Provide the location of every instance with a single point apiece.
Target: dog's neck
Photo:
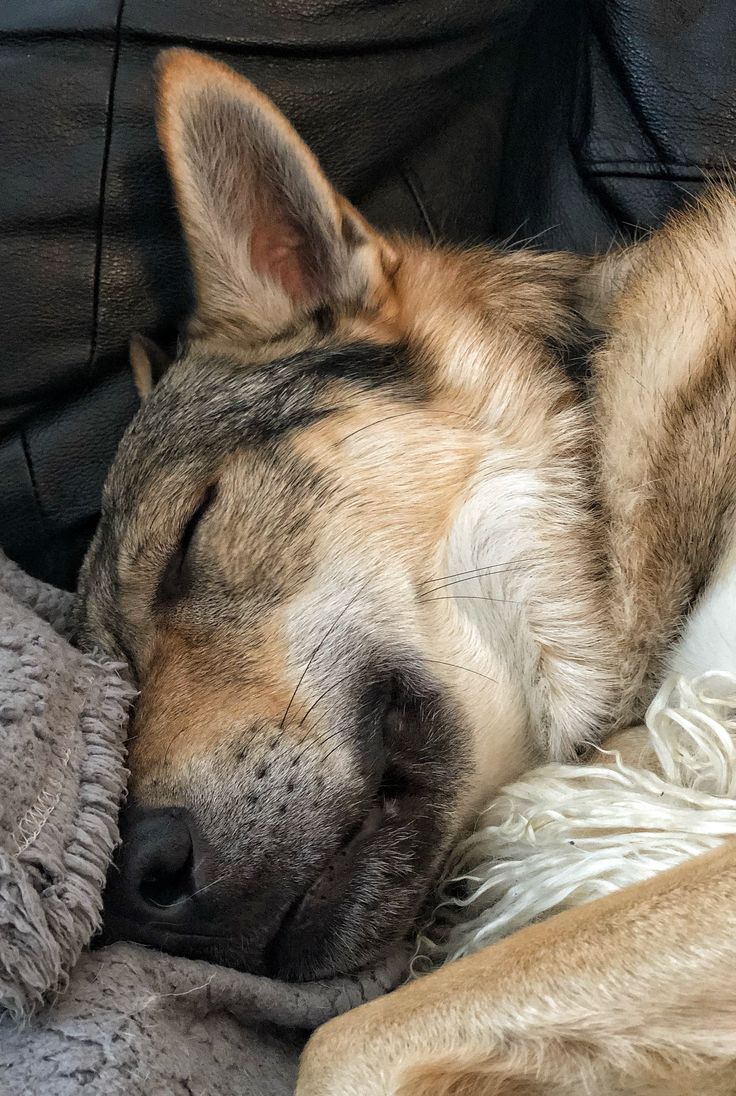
(527, 600)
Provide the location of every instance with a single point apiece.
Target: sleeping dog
(370, 553)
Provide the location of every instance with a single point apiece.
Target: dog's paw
(349, 1056)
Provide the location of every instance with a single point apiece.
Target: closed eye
(176, 578)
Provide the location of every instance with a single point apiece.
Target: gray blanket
(121, 1019)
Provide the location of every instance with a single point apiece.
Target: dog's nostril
(167, 885)
(157, 862)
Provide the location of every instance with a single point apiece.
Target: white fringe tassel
(567, 834)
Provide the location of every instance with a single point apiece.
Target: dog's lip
(398, 799)
(391, 808)
(129, 929)
(394, 789)
(356, 838)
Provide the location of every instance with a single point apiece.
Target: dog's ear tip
(139, 344)
(168, 61)
(183, 58)
(180, 68)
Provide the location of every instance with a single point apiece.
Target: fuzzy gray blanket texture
(121, 1019)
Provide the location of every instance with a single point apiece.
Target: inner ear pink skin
(277, 252)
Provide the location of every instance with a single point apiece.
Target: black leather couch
(570, 121)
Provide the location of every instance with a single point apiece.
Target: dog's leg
(635, 993)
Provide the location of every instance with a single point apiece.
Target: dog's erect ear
(269, 239)
(148, 363)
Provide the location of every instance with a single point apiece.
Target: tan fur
(141, 368)
(591, 1001)
(665, 404)
(536, 553)
(189, 705)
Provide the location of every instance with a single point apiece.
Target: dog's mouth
(303, 924)
(362, 893)
(366, 894)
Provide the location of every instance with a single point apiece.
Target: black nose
(155, 871)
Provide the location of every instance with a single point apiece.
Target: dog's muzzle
(303, 879)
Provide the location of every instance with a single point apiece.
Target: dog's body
(370, 554)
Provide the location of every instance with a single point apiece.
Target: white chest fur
(709, 639)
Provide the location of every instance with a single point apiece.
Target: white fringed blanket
(567, 834)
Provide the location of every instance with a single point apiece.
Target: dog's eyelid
(175, 578)
(191, 526)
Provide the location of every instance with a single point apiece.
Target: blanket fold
(62, 726)
(120, 1019)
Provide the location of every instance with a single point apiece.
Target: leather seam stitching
(412, 184)
(648, 165)
(612, 172)
(103, 185)
(34, 484)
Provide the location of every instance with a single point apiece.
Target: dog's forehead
(209, 412)
(210, 406)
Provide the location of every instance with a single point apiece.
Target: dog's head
(346, 549)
